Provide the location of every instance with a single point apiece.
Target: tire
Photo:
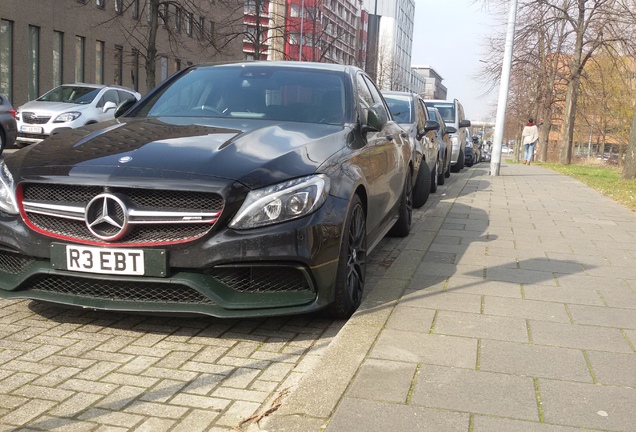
(422, 187)
(460, 163)
(434, 177)
(402, 226)
(447, 172)
(441, 177)
(352, 263)
(2, 141)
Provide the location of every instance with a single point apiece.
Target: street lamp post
(495, 162)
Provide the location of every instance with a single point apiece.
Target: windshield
(71, 94)
(251, 92)
(446, 110)
(400, 107)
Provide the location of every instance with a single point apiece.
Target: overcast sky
(447, 37)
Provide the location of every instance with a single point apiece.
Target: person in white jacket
(530, 136)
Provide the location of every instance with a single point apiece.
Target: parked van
(453, 114)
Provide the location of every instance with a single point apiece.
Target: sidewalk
(511, 307)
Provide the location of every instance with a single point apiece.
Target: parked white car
(68, 106)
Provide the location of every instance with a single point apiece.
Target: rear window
(446, 110)
(400, 107)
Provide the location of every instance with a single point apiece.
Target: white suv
(69, 106)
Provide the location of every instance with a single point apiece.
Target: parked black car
(246, 189)
(8, 128)
(409, 111)
(444, 143)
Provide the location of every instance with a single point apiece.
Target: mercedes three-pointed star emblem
(107, 217)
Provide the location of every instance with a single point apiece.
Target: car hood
(43, 107)
(253, 152)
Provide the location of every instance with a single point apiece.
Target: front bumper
(278, 270)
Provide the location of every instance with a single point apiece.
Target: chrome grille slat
(154, 216)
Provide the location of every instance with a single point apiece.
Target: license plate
(31, 129)
(109, 260)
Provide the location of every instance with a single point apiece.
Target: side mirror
(124, 106)
(451, 129)
(376, 118)
(109, 106)
(464, 123)
(431, 125)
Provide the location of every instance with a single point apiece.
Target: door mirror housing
(109, 106)
(376, 118)
(451, 129)
(124, 106)
(464, 123)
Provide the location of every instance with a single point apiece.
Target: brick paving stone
(197, 420)
(492, 424)
(203, 402)
(27, 412)
(62, 425)
(523, 308)
(533, 360)
(74, 405)
(111, 418)
(155, 425)
(481, 326)
(237, 412)
(120, 398)
(383, 381)
(613, 369)
(204, 384)
(240, 394)
(46, 393)
(579, 336)
(156, 409)
(604, 316)
(588, 405)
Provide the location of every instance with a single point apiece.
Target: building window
(211, 30)
(177, 20)
(118, 65)
(177, 65)
(100, 3)
(202, 26)
(189, 19)
(80, 45)
(6, 58)
(58, 58)
(135, 9)
(294, 11)
(119, 7)
(164, 68)
(34, 62)
(135, 69)
(99, 62)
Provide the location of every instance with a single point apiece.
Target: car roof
(284, 64)
(97, 86)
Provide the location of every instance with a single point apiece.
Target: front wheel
(422, 187)
(441, 176)
(460, 163)
(434, 178)
(403, 225)
(352, 263)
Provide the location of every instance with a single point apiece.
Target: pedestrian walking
(530, 136)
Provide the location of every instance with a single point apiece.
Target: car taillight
(13, 113)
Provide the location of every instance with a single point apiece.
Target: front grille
(27, 118)
(147, 199)
(142, 234)
(148, 292)
(14, 263)
(31, 135)
(262, 279)
(157, 231)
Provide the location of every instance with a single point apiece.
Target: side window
(364, 95)
(124, 95)
(375, 93)
(111, 96)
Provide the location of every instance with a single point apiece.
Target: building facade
(45, 44)
(393, 57)
(433, 87)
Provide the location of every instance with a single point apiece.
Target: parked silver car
(69, 106)
(8, 128)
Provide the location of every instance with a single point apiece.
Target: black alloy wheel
(352, 264)
(434, 177)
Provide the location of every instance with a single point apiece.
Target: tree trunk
(568, 121)
(629, 169)
(151, 50)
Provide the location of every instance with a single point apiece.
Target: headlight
(8, 202)
(282, 202)
(67, 117)
(454, 141)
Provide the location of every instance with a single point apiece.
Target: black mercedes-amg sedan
(231, 190)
